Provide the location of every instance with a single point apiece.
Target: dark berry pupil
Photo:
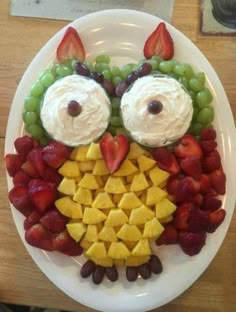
(74, 108)
(155, 107)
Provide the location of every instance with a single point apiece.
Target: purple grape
(108, 86)
(132, 77)
(121, 88)
(145, 69)
(74, 108)
(82, 69)
(155, 107)
(97, 76)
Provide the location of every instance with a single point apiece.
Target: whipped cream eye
(156, 110)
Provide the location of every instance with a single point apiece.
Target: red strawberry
(71, 46)
(215, 219)
(191, 166)
(19, 198)
(166, 160)
(13, 163)
(192, 243)
(53, 160)
(21, 177)
(197, 199)
(198, 220)
(186, 189)
(182, 215)
(188, 147)
(32, 219)
(168, 236)
(42, 194)
(218, 181)
(23, 146)
(114, 150)
(55, 154)
(66, 245)
(211, 162)
(211, 203)
(30, 169)
(205, 184)
(208, 134)
(208, 146)
(159, 43)
(172, 184)
(35, 156)
(51, 175)
(54, 221)
(39, 237)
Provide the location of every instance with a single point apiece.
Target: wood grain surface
(21, 281)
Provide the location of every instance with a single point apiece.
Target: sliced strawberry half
(215, 219)
(192, 243)
(114, 150)
(54, 221)
(192, 167)
(71, 46)
(159, 43)
(32, 219)
(13, 163)
(208, 134)
(19, 198)
(38, 236)
(23, 146)
(168, 237)
(65, 244)
(182, 215)
(188, 147)
(166, 160)
(218, 181)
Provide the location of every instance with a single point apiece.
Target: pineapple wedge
(139, 183)
(152, 228)
(83, 196)
(145, 163)
(154, 195)
(97, 250)
(67, 186)
(164, 208)
(129, 201)
(140, 215)
(127, 168)
(93, 216)
(158, 176)
(142, 248)
(94, 151)
(105, 262)
(100, 168)
(129, 233)
(76, 230)
(81, 153)
(86, 166)
(89, 182)
(107, 234)
(69, 208)
(91, 234)
(136, 261)
(118, 250)
(103, 201)
(115, 185)
(70, 169)
(116, 217)
(135, 151)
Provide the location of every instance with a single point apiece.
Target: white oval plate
(121, 34)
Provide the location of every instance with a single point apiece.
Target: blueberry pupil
(155, 107)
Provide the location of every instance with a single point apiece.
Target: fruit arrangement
(112, 199)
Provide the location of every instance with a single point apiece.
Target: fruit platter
(118, 152)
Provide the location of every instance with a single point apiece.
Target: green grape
(179, 69)
(37, 89)
(106, 74)
(154, 64)
(111, 130)
(69, 63)
(100, 67)
(115, 121)
(195, 84)
(121, 130)
(115, 104)
(103, 59)
(63, 71)
(47, 79)
(157, 58)
(126, 70)
(36, 131)
(166, 66)
(189, 73)
(135, 67)
(195, 114)
(44, 140)
(193, 95)
(53, 68)
(31, 103)
(115, 71)
(205, 115)
(196, 129)
(116, 80)
(30, 118)
(209, 95)
(203, 98)
(201, 77)
(89, 65)
(184, 81)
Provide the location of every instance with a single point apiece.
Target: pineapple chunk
(118, 250)
(145, 163)
(127, 168)
(89, 182)
(129, 201)
(164, 208)
(116, 217)
(135, 151)
(105, 262)
(91, 234)
(76, 230)
(100, 168)
(107, 234)
(139, 183)
(136, 261)
(103, 201)
(152, 228)
(67, 186)
(115, 185)
(154, 195)
(100, 181)
(142, 248)
(81, 153)
(165, 220)
(97, 250)
(94, 151)
(130, 178)
(83, 196)
(70, 169)
(140, 215)
(85, 166)
(158, 176)
(69, 208)
(93, 216)
(85, 244)
(129, 233)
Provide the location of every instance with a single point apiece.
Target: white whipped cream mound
(89, 124)
(163, 128)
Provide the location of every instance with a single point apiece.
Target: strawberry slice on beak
(114, 150)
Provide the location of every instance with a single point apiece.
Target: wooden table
(21, 282)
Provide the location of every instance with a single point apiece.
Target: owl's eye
(156, 110)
